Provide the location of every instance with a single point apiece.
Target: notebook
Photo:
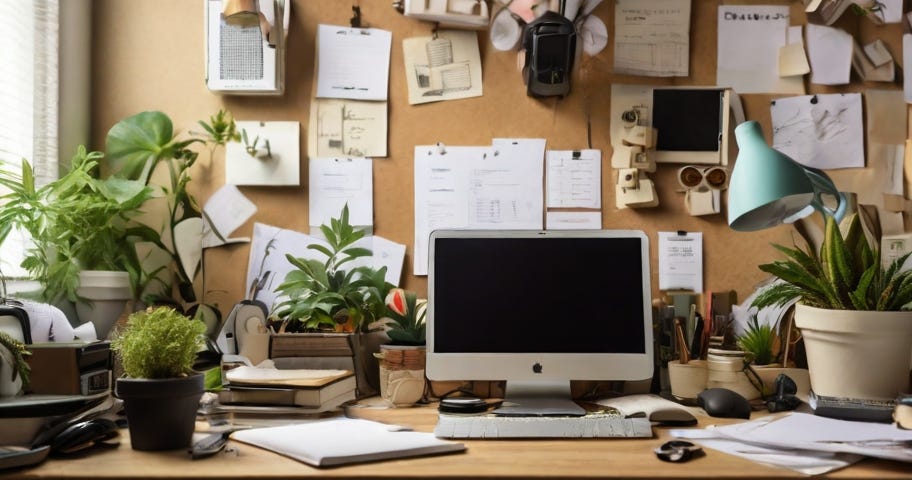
(342, 441)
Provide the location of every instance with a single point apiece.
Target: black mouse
(722, 402)
(82, 435)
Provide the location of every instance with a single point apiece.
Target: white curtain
(29, 82)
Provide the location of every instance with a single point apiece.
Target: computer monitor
(539, 309)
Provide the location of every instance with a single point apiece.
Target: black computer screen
(538, 295)
(688, 120)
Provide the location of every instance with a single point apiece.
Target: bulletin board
(151, 56)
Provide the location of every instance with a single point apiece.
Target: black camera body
(550, 45)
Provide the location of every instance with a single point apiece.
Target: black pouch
(550, 45)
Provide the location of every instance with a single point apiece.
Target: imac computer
(539, 309)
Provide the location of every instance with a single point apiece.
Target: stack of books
(262, 391)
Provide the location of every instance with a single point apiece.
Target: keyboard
(590, 426)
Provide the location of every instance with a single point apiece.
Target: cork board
(150, 55)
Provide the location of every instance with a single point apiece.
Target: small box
(70, 368)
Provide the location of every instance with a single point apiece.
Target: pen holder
(687, 379)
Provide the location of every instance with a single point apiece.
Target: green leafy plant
(759, 341)
(77, 222)
(322, 295)
(406, 316)
(158, 342)
(19, 351)
(136, 146)
(846, 274)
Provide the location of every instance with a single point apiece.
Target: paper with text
(822, 131)
(353, 62)
(574, 178)
(652, 37)
(336, 182)
(681, 261)
(356, 128)
(490, 187)
(573, 220)
(749, 39)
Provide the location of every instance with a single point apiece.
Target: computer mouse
(722, 402)
(82, 435)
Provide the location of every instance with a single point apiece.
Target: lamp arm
(824, 185)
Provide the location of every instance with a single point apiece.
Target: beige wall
(149, 54)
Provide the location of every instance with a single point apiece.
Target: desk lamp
(767, 187)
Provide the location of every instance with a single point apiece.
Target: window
(46, 60)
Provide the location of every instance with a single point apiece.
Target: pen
(683, 352)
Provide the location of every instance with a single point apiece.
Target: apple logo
(537, 368)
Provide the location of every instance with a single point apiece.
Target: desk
(591, 458)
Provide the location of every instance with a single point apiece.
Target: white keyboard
(492, 426)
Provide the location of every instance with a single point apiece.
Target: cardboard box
(64, 368)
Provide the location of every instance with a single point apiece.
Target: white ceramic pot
(402, 381)
(687, 379)
(857, 354)
(108, 292)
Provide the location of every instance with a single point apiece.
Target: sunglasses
(703, 179)
(678, 451)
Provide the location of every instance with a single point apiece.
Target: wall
(150, 55)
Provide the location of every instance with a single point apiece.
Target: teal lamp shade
(768, 188)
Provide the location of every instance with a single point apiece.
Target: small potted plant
(329, 304)
(160, 390)
(761, 342)
(402, 360)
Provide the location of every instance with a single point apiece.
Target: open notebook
(341, 441)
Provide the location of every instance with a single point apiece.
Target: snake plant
(846, 274)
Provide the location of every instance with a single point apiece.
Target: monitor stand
(540, 398)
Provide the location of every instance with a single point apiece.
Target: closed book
(857, 409)
(292, 396)
(279, 377)
(267, 415)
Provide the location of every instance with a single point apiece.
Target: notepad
(342, 441)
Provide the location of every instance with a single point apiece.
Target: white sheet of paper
(652, 37)
(225, 211)
(339, 128)
(821, 131)
(447, 67)
(335, 182)
(830, 54)
(573, 220)
(353, 62)
(748, 42)
(496, 187)
(283, 165)
(574, 178)
(681, 261)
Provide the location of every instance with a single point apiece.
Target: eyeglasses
(703, 179)
(678, 451)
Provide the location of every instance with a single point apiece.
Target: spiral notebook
(343, 441)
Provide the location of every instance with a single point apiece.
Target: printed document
(681, 261)
(749, 39)
(652, 37)
(353, 62)
(337, 182)
(488, 187)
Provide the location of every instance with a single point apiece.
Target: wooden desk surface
(565, 459)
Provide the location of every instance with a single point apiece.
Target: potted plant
(82, 232)
(160, 390)
(14, 369)
(402, 360)
(850, 307)
(142, 145)
(761, 342)
(330, 302)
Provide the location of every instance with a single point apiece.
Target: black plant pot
(161, 413)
